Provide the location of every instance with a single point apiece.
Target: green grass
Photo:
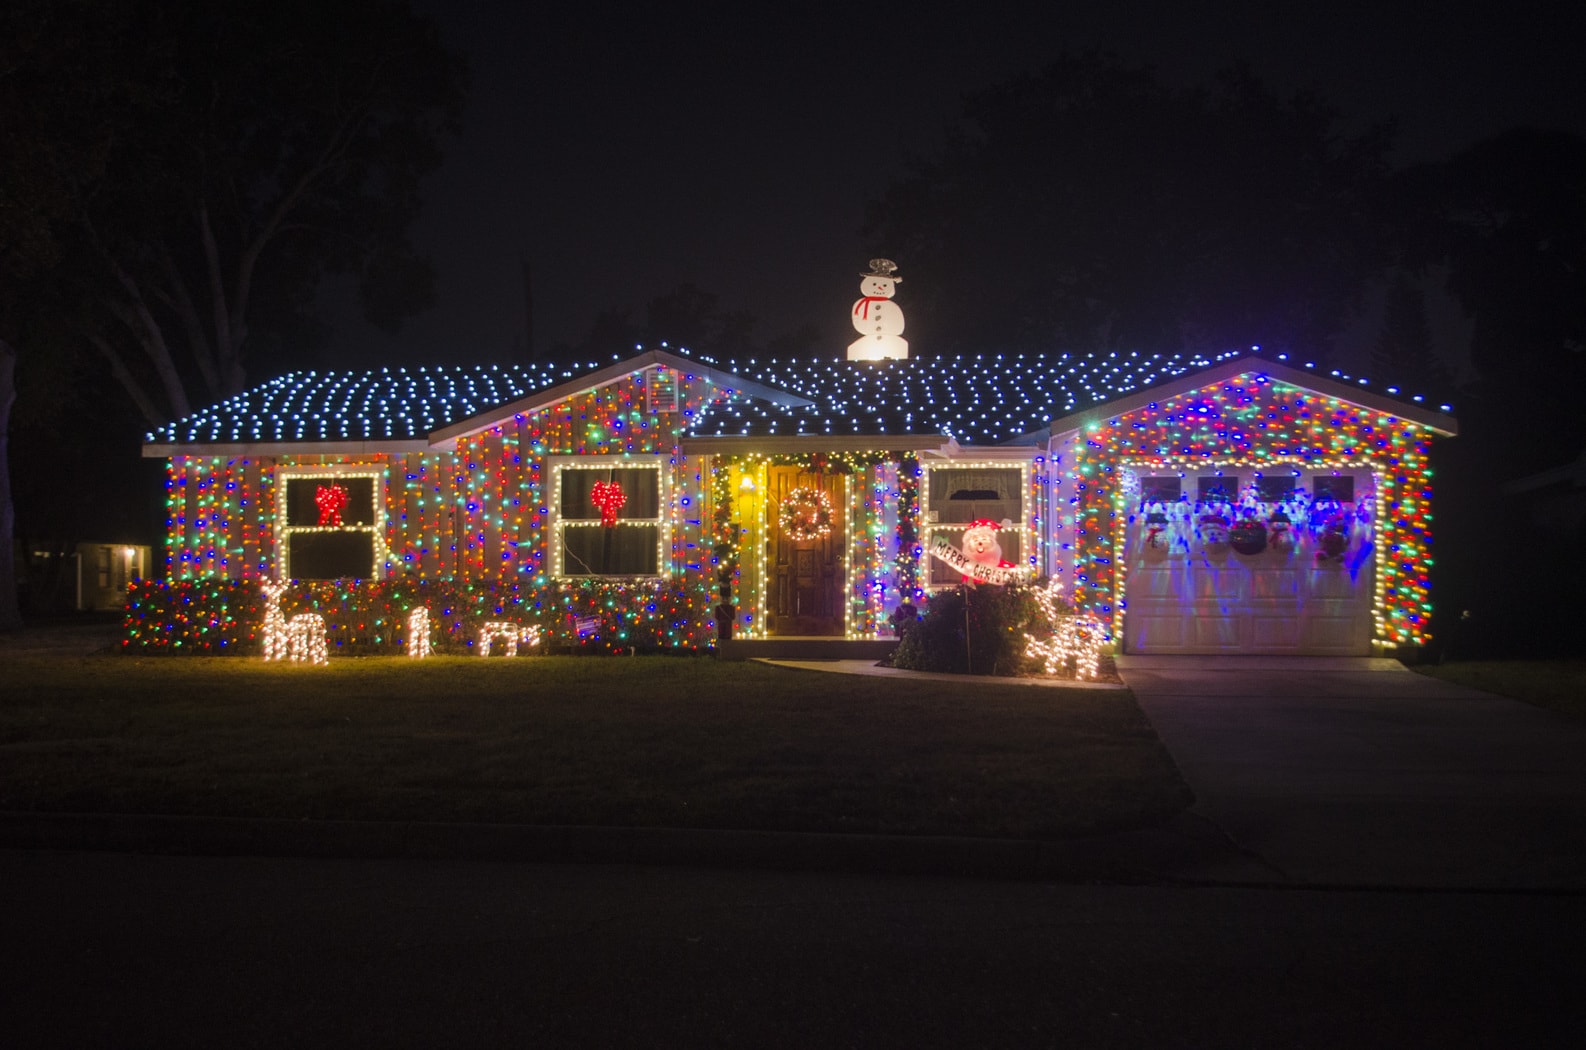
(1558, 685)
(647, 741)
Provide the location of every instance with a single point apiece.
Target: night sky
(623, 154)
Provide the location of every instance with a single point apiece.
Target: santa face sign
(980, 544)
(1214, 533)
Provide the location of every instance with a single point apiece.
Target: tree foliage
(686, 316)
(176, 179)
(1404, 343)
(1093, 206)
(194, 170)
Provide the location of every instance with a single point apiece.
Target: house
(1234, 503)
(94, 576)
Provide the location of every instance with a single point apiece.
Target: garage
(1274, 562)
(1251, 510)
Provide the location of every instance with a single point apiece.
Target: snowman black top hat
(884, 268)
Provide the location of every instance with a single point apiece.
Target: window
(607, 516)
(1222, 488)
(956, 494)
(1337, 487)
(1161, 489)
(1276, 488)
(330, 525)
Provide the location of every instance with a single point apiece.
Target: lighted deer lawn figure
(300, 639)
(1072, 638)
(510, 633)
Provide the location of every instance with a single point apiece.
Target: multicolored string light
(1253, 421)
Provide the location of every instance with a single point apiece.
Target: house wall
(475, 512)
(1249, 420)
(877, 567)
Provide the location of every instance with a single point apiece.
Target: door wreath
(806, 514)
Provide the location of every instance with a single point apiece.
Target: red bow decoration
(330, 499)
(609, 497)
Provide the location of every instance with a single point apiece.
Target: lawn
(644, 741)
(1558, 685)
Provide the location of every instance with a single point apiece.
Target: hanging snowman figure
(877, 318)
(1329, 520)
(1158, 535)
(1281, 528)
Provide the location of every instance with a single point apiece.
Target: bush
(369, 617)
(991, 620)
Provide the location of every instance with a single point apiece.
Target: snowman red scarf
(862, 307)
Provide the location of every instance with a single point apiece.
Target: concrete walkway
(871, 668)
(1360, 772)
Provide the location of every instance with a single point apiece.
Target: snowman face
(882, 286)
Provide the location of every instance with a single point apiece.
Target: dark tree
(1506, 219)
(1092, 206)
(250, 149)
(180, 176)
(687, 316)
(1403, 351)
(1515, 208)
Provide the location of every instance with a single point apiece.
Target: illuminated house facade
(1231, 504)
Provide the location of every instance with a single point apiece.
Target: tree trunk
(10, 614)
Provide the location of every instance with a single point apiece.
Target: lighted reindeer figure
(508, 632)
(1072, 638)
(419, 643)
(300, 639)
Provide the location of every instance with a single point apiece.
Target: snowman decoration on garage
(877, 318)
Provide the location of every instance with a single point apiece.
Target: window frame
(556, 525)
(929, 527)
(284, 530)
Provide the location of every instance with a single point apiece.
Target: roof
(979, 399)
(975, 399)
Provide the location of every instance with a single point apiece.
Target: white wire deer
(508, 632)
(300, 639)
(1073, 639)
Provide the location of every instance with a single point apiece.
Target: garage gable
(1162, 491)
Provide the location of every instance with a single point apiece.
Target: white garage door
(1235, 562)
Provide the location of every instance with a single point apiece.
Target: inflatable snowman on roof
(877, 318)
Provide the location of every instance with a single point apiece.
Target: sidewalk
(870, 667)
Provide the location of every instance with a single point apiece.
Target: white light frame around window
(928, 528)
(283, 530)
(663, 518)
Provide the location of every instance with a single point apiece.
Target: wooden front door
(806, 577)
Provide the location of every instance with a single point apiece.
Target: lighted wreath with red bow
(609, 497)
(806, 514)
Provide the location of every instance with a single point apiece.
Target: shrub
(969, 629)
(369, 617)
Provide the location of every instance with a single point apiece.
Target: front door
(806, 551)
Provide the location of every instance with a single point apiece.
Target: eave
(1440, 423)
(389, 447)
(799, 443)
(446, 437)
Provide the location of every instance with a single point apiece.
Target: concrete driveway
(1360, 772)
